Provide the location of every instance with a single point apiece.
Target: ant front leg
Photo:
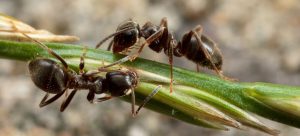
(171, 45)
(168, 40)
(148, 41)
(160, 34)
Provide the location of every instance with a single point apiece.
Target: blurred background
(259, 41)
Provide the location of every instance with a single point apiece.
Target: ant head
(129, 32)
(121, 83)
(48, 75)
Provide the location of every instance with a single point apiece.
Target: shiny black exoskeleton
(51, 78)
(55, 79)
(194, 45)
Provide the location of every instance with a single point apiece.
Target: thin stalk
(198, 98)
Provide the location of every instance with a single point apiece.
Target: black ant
(194, 45)
(54, 79)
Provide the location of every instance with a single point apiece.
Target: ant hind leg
(197, 32)
(67, 101)
(45, 102)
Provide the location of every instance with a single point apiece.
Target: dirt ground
(259, 41)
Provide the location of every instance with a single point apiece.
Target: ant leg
(195, 32)
(148, 41)
(120, 61)
(81, 64)
(171, 47)
(67, 101)
(45, 102)
(90, 97)
(105, 98)
(147, 99)
(43, 46)
(163, 30)
(171, 44)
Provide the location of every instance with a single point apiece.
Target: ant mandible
(194, 45)
(54, 79)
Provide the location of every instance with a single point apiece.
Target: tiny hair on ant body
(55, 79)
(194, 45)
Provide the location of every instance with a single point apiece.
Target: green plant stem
(233, 99)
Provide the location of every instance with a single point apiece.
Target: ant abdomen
(190, 48)
(47, 75)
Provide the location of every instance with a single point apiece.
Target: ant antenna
(42, 46)
(112, 35)
(147, 99)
